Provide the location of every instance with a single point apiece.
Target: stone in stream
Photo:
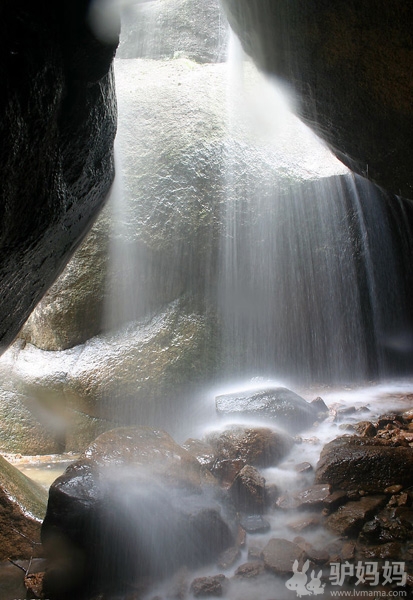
(202, 451)
(278, 404)
(370, 464)
(279, 556)
(256, 446)
(350, 518)
(136, 506)
(254, 524)
(249, 570)
(209, 586)
(22, 508)
(248, 491)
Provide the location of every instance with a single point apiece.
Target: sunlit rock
(168, 28)
(22, 508)
(130, 376)
(280, 405)
(176, 183)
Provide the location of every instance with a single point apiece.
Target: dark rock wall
(350, 65)
(58, 122)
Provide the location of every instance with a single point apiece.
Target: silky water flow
(228, 211)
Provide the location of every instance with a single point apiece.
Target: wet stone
(303, 543)
(348, 551)
(278, 404)
(371, 464)
(393, 489)
(391, 550)
(256, 446)
(249, 570)
(254, 553)
(319, 557)
(365, 429)
(334, 500)
(393, 419)
(349, 519)
(279, 556)
(254, 524)
(404, 515)
(271, 495)
(202, 451)
(313, 497)
(209, 586)
(319, 406)
(248, 491)
(226, 470)
(106, 513)
(22, 508)
(384, 528)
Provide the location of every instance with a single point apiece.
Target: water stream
(268, 235)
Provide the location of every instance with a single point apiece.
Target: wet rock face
(128, 511)
(370, 464)
(56, 136)
(22, 508)
(350, 66)
(280, 405)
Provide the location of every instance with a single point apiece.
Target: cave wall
(349, 65)
(57, 126)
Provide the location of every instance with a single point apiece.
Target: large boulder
(57, 126)
(349, 64)
(128, 512)
(22, 509)
(278, 404)
(173, 181)
(361, 463)
(55, 401)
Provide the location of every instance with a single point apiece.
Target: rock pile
(138, 509)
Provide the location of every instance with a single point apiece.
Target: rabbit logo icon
(299, 581)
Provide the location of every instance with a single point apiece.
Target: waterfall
(236, 205)
(243, 255)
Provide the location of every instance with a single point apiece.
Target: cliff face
(58, 122)
(349, 63)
